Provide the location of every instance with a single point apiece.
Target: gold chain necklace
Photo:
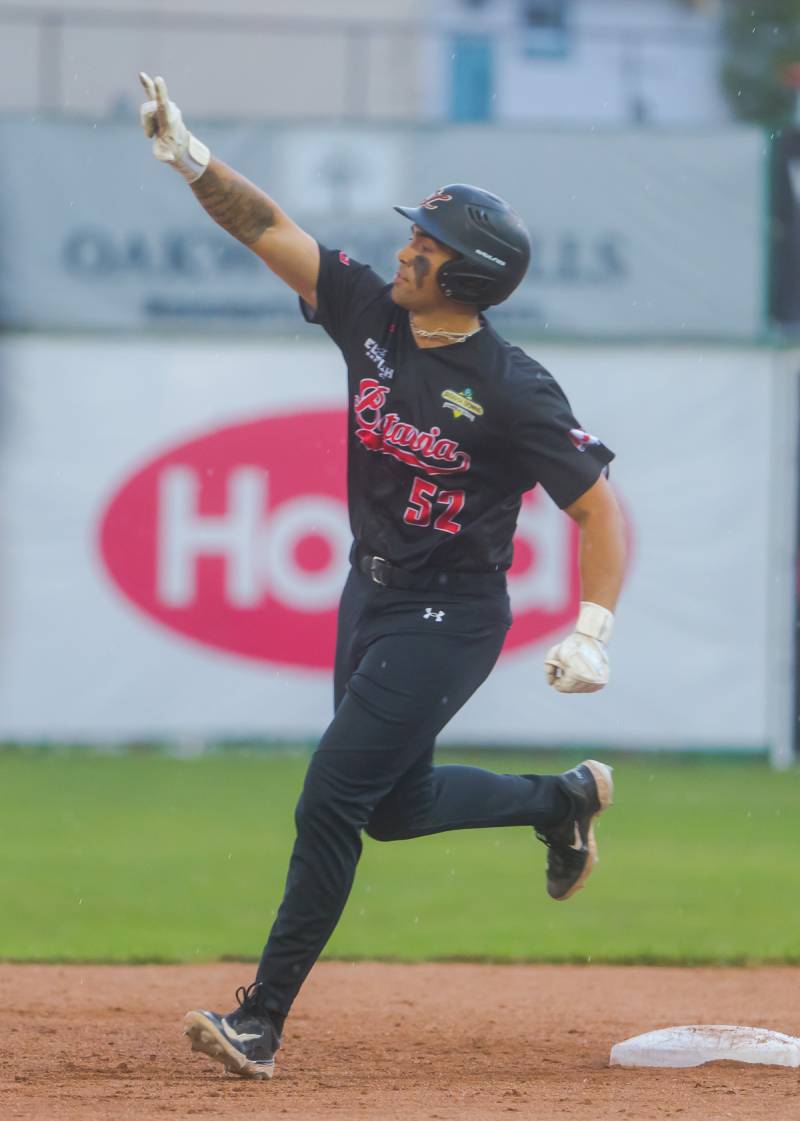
(448, 336)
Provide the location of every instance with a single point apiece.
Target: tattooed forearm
(239, 207)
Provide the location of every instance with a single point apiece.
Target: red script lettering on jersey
(392, 436)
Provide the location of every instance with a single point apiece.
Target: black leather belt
(388, 575)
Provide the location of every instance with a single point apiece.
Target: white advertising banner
(175, 538)
(639, 233)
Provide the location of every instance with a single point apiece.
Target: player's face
(414, 285)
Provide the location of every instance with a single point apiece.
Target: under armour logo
(437, 616)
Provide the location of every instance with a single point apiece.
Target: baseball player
(449, 426)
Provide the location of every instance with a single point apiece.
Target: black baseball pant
(406, 662)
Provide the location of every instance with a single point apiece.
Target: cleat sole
(205, 1038)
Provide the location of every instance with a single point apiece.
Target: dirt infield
(378, 1042)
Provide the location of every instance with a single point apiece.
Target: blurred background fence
(172, 459)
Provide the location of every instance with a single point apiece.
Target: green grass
(144, 857)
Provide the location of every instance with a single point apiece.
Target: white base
(696, 1044)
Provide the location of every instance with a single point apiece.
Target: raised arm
(245, 211)
(235, 203)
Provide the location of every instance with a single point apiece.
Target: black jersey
(444, 441)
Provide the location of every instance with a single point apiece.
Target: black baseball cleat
(572, 849)
(244, 1041)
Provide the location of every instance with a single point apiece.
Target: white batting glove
(172, 142)
(579, 664)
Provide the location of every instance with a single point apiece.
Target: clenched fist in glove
(579, 664)
(172, 141)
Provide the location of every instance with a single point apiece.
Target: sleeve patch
(583, 440)
(344, 258)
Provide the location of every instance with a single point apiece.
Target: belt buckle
(373, 570)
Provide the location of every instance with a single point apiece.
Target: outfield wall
(174, 538)
(635, 233)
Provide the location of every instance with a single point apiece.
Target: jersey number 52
(424, 496)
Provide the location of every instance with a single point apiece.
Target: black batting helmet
(493, 245)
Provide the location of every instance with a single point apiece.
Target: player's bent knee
(379, 832)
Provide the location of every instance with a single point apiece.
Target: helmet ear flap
(459, 282)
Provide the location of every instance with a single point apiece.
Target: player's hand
(162, 121)
(579, 664)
